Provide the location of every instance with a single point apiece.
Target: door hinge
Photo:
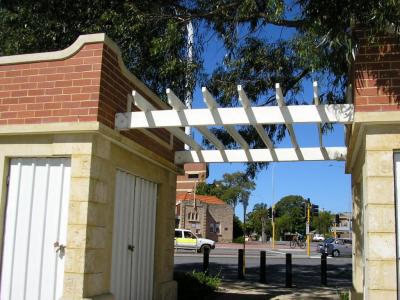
(8, 180)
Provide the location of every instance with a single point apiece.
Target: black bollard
(240, 264)
(262, 266)
(324, 269)
(288, 270)
(206, 259)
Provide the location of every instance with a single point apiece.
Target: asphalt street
(306, 270)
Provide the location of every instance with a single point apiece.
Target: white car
(185, 239)
(318, 238)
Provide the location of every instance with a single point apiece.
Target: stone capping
(73, 49)
(90, 127)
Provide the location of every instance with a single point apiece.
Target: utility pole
(273, 207)
(244, 233)
(308, 229)
(273, 227)
(189, 98)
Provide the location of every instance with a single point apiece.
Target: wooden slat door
(36, 218)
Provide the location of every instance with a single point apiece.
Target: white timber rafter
(179, 116)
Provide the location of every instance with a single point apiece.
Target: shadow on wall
(377, 68)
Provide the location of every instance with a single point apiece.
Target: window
(178, 234)
(188, 235)
(193, 176)
(211, 227)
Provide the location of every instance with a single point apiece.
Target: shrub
(344, 295)
(239, 239)
(197, 285)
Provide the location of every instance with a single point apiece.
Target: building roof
(202, 198)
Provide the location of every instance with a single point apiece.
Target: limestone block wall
(63, 103)
(380, 224)
(374, 137)
(78, 147)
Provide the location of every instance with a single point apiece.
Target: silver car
(337, 247)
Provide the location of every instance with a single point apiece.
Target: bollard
(288, 270)
(206, 259)
(262, 266)
(240, 264)
(324, 269)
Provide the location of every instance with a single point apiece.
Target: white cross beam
(213, 115)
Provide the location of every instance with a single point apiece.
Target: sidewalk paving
(249, 290)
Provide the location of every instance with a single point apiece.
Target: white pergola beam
(209, 99)
(148, 108)
(129, 102)
(213, 106)
(281, 103)
(297, 114)
(141, 102)
(316, 102)
(244, 100)
(211, 137)
(174, 101)
(183, 137)
(178, 105)
(261, 155)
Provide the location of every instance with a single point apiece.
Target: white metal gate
(36, 219)
(133, 237)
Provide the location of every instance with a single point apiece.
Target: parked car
(321, 246)
(318, 237)
(336, 247)
(185, 239)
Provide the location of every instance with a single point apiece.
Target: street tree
(257, 220)
(233, 188)
(323, 222)
(264, 42)
(291, 214)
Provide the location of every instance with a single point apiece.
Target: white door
(133, 237)
(36, 218)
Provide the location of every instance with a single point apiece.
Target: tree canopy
(265, 41)
(234, 188)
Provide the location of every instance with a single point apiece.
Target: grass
(197, 285)
(344, 295)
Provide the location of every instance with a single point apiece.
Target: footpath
(306, 287)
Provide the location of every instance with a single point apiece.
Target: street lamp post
(245, 201)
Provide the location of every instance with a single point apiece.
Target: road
(306, 270)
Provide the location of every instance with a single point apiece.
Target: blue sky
(325, 182)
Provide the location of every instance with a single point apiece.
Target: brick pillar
(377, 74)
(375, 136)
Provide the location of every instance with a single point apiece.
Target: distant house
(207, 216)
(343, 229)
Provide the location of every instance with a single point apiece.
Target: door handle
(60, 247)
(131, 248)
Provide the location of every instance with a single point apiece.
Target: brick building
(206, 216)
(57, 114)
(194, 173)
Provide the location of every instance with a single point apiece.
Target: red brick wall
(377, 74)
(54, 91)
(89, 86)
(186, 183)
(113, 96)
